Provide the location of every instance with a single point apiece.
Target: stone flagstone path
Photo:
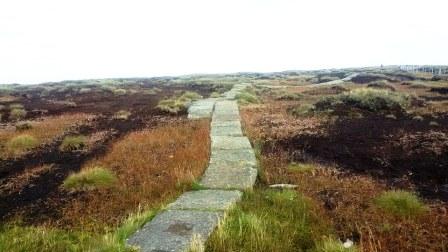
(232, 168)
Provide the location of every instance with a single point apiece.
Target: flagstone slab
(229, 178)
(234, 123)
(230, 142)
(225, 117)
(226, 131)
(211, 200)
(201, 108)
(174, 230)
(233, 157)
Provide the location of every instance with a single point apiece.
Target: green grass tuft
(72, 143)
(247, 98)
(21, 143)
(400, 203)
(88, 179)
(300, 167)
(196, 186)
(175, 105)
(17, 114)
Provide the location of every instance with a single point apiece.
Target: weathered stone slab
(229, 178)
(230, 143)
(226, 106)
(211, 200)
(245, 157)
(235, 123)
(201, 108)
(226, 131)
(173, 230)
(225, 117)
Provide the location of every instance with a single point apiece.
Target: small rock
(348, 243)
(283, 186)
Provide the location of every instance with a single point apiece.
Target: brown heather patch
(43, 130)
(152, 166)
(274, 122)
(344, 198)
(347, 201)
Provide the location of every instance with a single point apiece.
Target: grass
(178, 104)
(43, 130)
(247, 98)
(89, 179)
(21, 143)
(400, 203)
(17, 114)
(17, 238)
(301, 167)
(269, 220)
(73, 143)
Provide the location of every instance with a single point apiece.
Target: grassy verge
(271, 220)
(14, 237)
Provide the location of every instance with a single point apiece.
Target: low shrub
(72, 143)
(119, 91)
(23, 126)
(17, 114)
(369, 99)
(89, 179)
(303, 110)
(16, 106)
(284, 95)
(21, 143)
(191, 96)
(400, 203)
(175, 105)
(383, 84)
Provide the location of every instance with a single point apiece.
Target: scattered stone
(283, 186)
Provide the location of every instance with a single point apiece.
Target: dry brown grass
(43, 130)
(346, 199)
(151, 165)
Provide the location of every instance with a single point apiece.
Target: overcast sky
(51, 40)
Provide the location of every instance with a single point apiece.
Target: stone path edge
(194, 215)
